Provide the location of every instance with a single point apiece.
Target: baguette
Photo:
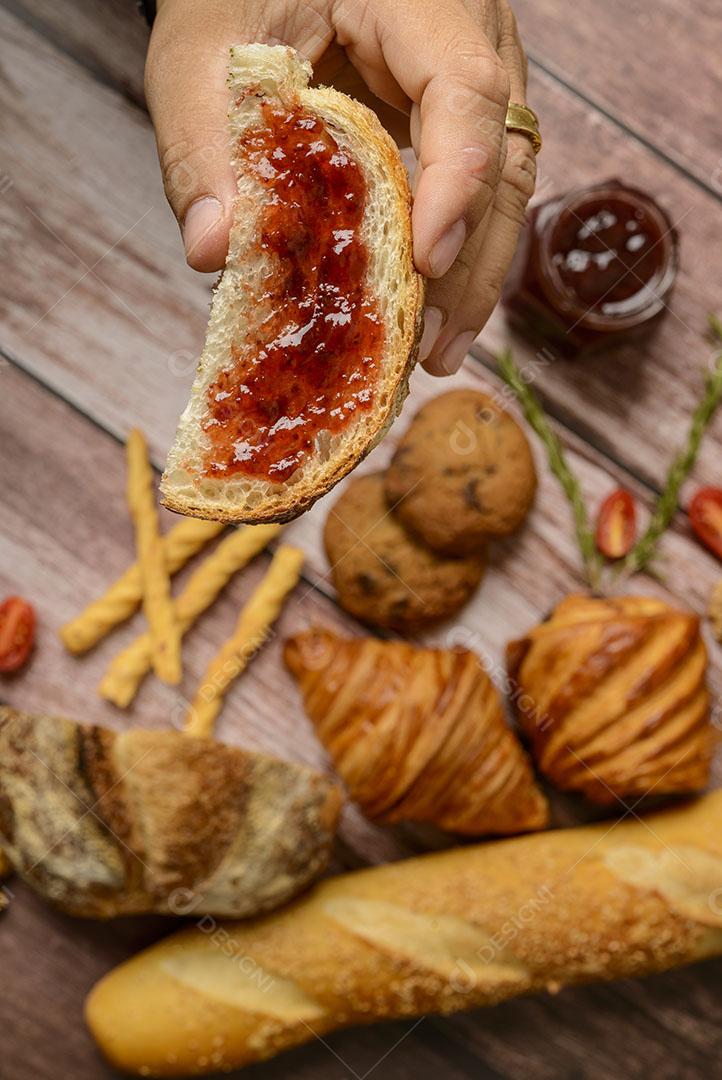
(448, 931)
(104, 823)
(315, 323)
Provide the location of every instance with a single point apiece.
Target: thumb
(185, 86)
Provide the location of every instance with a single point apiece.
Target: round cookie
(463, 471)
(382, 575)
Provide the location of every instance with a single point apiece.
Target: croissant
(612, 695)
(416, 734)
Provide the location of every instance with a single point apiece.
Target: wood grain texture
(654, 67)
(621, 402)
(106, 315)
(60, 318)
(107, 37)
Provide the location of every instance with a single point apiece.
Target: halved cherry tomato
(616, 524)
(705, 513)
(17, 633)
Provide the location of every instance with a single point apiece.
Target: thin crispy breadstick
(251, 631)
(124, 596)
(125, 674)
(157, 600)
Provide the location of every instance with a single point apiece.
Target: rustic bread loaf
(104, 823)
(448, 931)
(250, 298)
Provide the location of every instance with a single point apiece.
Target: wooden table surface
(101, 323)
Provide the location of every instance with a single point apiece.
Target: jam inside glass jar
(595, 266)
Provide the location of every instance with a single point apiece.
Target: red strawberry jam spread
(311, 362)
(595, 267)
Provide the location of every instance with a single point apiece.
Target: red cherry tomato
(705, 512)
(17, 633)
(616, 524)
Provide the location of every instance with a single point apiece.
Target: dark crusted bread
(105, 823)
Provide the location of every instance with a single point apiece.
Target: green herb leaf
(536, 418)
(668, 502)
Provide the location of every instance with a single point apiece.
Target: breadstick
(453, 930)
(126, 672)
(157, 600)
(251, 630)
(124, 596)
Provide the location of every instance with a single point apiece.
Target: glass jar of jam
(593, 268)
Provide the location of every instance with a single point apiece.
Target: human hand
(439, 73)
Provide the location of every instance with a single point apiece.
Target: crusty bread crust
(453, 930)
(260, 72)
(178, 824)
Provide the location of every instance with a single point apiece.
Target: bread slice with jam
(315, 322)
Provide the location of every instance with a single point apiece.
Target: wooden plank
(66, 555)
(153, 396)
(531, 571)
(64, 547)
(50, 962)
(633, 404)
(94, 347)
(107, 37)
(82, 205)
(142, 312)
(651, 66)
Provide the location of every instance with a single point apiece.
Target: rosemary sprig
(668, 502)
(536, 418)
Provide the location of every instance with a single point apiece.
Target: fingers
(185, 85)
(444, 63)
(485, 280)
(468, 293)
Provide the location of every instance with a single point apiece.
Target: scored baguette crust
(259, 72)
(448, 931)
(104, 823)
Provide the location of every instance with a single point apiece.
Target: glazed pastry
(104, 823)
(382, 574)
(416, 734)
(612, 695)
(463, 471)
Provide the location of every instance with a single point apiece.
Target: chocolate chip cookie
(383, 575)
(463, 471)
